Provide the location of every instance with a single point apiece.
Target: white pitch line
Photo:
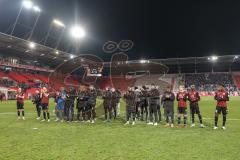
(13, 113)
(230, 119)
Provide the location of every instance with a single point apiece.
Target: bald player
(194, 98)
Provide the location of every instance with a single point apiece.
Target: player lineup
(143, 103)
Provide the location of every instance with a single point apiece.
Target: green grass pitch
(19, 140)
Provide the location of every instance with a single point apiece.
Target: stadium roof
(12, 46)
(17, 47)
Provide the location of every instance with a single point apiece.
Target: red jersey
(193, 97)
(44, 98)
(20, 98)
(222, 98)
(182, 98)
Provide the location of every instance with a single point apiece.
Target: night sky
(159, 29)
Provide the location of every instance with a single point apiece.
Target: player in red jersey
(20, 103)
(182, 105)
(221, 96)
(194, 98)
(45, 103)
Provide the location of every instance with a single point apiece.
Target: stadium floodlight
(213, 58)
(143, 61)
(36, 9)
(77, 32)
(27, 4)
(32, 45)
(57, 52)
(58, 23)
(71, 56)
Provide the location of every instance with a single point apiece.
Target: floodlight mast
(17, 18)
(34, 26)
(57, 23)
(28, 5)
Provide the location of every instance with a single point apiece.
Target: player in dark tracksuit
(194, 98)
(69, 105)
(119, 96)
(91, 103)
(82, 99)
(130, 98)
(221, 96)
(168, 105)
(182, 106)
(144, 102)
(107, 97)
(137, 92)
(154, 96)
(114, 102)
(37, 101)
(159, 114)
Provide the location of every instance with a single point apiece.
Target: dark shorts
(220, 110)
(182, 110)
(44, 106)
(194, 109)
(20, 105)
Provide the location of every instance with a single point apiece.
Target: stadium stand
(161, 81)
(122, 82)
(236, 78)
(209, 81)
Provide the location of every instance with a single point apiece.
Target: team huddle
(143, 103)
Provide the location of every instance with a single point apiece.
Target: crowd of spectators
(7, 83)
(209, 82)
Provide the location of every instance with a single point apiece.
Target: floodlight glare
(58, 23)
(27, 4)
(36, 9)
(32, 45)
(77, 32)
(236, 57)
(71, 56)
(143, 61)
(213, 58)
(57, 52)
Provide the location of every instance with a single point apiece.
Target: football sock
(224, 119)
(167, 119)
(18, 113)
(172, 118)
(179, 120)
(185, 120)
(192, 118)
(48, 115)
(23, 113)
(216, 120)
(200, 118)
(39, 112)
(44, 115)
(133, 118)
